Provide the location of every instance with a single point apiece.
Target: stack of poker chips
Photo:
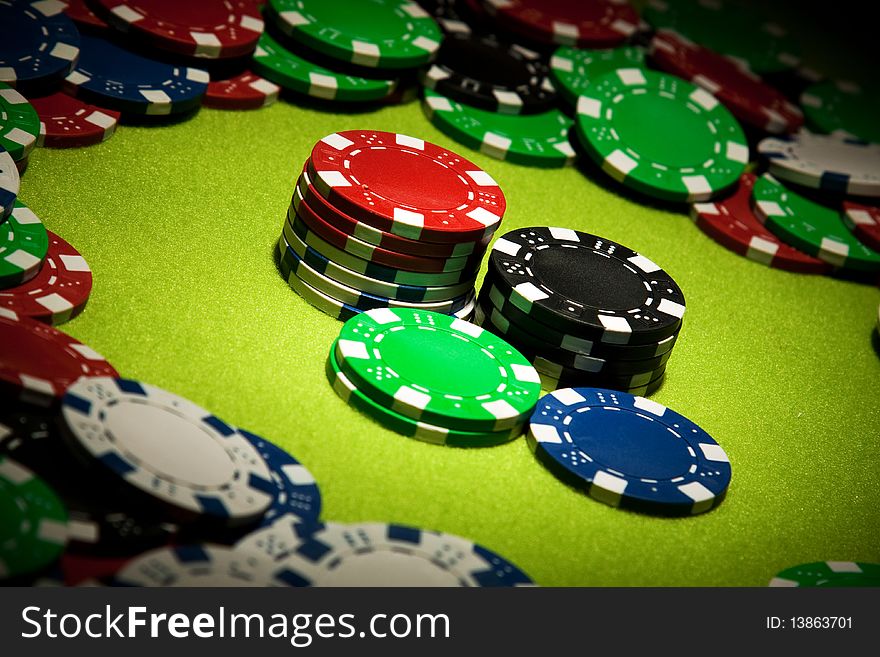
(586, 311)
(383, 220)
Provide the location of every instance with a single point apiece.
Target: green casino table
(179, 224)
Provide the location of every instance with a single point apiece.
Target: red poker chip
(38, 362)
(79, 569)
(58, 292)
(732, 223)
(213, 29)
(584, 23)
(242, 92)
(742, 92)
(406, 186)
(84, 17)
(67, 122)
(864, 222)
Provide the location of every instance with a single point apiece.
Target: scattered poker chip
(371, 235)
(10, 181)
(19, 123)
(661, 135)
(574, 69)
(586, 23)
(448, 14)
(39, 362)
(429, 433)
(406, 186)
(837, 574)
(842, 107)
(292, 265)
(541, 270)
(67, 122)
(293, 72)
(539, 140)
(379, 555)
(201, 565)
(169, 449)
(297, 492)
(33, 522)
(411, 361)
(244, 91)
(412, 293)
(810, 227)
(731, 222)
(721, 25)
(485, 73)
(864, 222)
(60, 289)
(831, 163)
(629, 452)
(112, 77)
(387, 34)
(23, 246)
(744, 93)
(86, 20)
(40, 44)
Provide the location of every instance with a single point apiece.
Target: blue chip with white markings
(629, 452)
(113, 77)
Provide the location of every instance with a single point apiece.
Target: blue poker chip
(39, 45)
(113, 77)
(10, 181)
(629, 452)
(298, 493)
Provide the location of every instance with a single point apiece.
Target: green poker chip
(438, 369)
(391, 34)
(661, 135)
(539, 140)
(810, 227)
(33, 521)
(574, 69)
(401, 424)
(23, 246)
(19, 123)
(828, 574)
(843, 107)
(274, 62)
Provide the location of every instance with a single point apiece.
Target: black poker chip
(486, 73)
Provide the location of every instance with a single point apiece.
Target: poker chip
(631, 301)
(40, 44)
(661, 135)
(58, 292)
(842, 107)
(23, 246)
(485, 73)
(19, 123)
(86, 20)
(169, 449)
(429, 433)
(586, 23)
(39, 362)
(113, 77)
(33, 521)
(410, 360)
(629, 452)
(202, 565)
(731, 222)
(10, 181)
(67, 122)
(539, 140)
(864, 222)
(245, 91)
(826, 574)
(448, 14)
(720, 25)
(830, 163)
(293, 72)
(379, 555)
(576, 379)
(387, 34)
(744, 93)
(574, 69)
(810, 227)
(296, 490)
(406, 186)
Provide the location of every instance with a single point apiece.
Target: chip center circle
(376, 19)
(388, 567)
